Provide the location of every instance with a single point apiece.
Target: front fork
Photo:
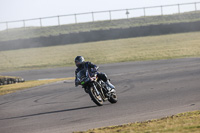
(100, 90)
(96, 89)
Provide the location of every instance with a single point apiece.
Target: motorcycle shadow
(51, 112)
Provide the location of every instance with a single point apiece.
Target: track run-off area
(146, 90)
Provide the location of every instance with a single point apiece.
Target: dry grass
(5, 89)
(182, 123)
(121, 50)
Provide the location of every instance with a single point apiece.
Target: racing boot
(110, 87)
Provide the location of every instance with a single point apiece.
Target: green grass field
(121, 50)
(31, 32)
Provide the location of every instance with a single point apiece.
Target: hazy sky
(26, 9)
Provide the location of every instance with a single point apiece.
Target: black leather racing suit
(90, 66)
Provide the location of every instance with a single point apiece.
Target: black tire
(113, 98)
(95, 98)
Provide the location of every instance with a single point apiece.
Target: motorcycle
(95, 87)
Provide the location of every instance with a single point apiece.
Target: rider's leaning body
(81, 64)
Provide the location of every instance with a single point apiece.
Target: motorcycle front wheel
(96, 98)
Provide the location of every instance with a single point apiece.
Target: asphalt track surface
(146, 90)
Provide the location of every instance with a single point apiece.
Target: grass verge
(5, 89)
(112, 51)
(188, 122)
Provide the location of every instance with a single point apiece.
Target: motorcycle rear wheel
(113, 98)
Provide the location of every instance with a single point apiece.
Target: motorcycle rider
(80, 63)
